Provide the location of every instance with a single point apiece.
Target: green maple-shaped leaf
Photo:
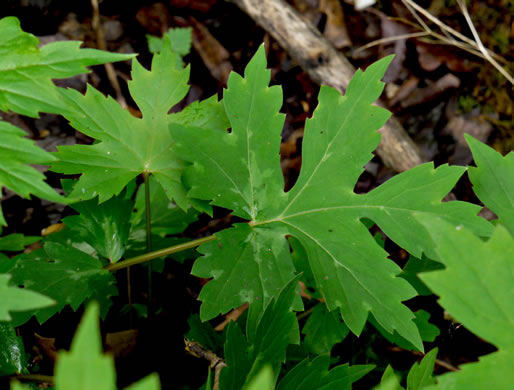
(265, 342)
(493, 180)
(18, 299)
(322, 330)
(12, 351)
(26, 72)
(427, 331)
(26, 87)
(315, 374)
(476, 289)
(128, 145)
(66, 275)
(15, 172)
(420, 374)
(240, 171)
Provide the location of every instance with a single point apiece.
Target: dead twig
(109, 68)
(439, 362)
(197, 350)
(232, 316)
(480, 45)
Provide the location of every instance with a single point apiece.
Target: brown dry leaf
(57, 227)
(466, 124)
(196, 5)
(121, 344)
(46, 346)
(391, 29)
(430, 92)
(335, 29)
(404, 90)
(155, 18)
(214, 55)
(430, 56)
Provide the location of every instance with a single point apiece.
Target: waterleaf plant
(225, 154)
(240, 170)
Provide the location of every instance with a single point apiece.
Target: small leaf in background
(16, 173)
(416, 266)
(16, 242)
(64, 274)
(12, 352)
(262, 381)
(323, 330)
(180, 40)
(420, 374)
(166, 216)
(204, 334)
(315, 374)
(427, 331)
(85, 367)
(493, 181)
(17, 299)
(150, 382)
(26, 71)
(264, 346)
(241, 171)
(104, 226)
(207, 114)
(476, 289)
(389, 381)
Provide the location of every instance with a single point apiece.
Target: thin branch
(393, 39)
(439, 362)
(475, 47)
(34, 377)
(109, 68)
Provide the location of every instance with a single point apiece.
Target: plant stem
(148, 214)
(160, 253)
(34, 377)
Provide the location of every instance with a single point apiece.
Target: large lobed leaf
(16, 299)
(476, 289)
(264, 348)
(63, 273)
(128, 145)
(26, 72)
(240, 171)
(15, 172)
(26, 87)
(264, 345)
(493, 180)
(315, 374)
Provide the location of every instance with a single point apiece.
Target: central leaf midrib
(354, 102)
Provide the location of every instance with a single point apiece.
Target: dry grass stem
(449, 36)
